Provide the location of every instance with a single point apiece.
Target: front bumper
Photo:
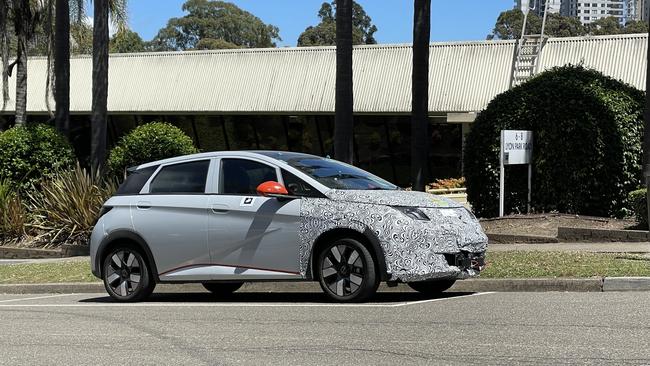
(460, 266)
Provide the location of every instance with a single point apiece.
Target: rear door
(252, 237)
(171, 216)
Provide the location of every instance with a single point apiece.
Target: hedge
(32, 153)
(149, 142)
(587, 145)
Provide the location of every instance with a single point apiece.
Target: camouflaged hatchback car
(225, 218)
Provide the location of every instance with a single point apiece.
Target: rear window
(181, 178)
(135, 181)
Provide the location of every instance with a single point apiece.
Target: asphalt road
(302, 328)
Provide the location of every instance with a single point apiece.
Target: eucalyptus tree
(420, 89)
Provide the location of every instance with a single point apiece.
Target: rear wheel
(434, 287)
(347, 271)
(222, 288)
(126, 275)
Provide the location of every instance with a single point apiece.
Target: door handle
(143, 205)
(219, 209)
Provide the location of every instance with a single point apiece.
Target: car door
(172, 217)
(250, 236)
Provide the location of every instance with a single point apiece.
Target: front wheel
(434, 287)
(347, 272)
(126, 275)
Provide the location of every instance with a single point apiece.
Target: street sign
(516, 149)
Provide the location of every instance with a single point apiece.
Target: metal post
(646, 133)
(502, 180)
(530, 185)
(544, 20)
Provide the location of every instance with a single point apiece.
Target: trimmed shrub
(638, 202)
(32, 153)
(149, 142)
(587, 137)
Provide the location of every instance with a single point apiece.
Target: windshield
(336, 175)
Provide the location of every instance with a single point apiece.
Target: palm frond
(77, 11)
(118, 11)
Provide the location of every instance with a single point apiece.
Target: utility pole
(420, 92)
(344, 120)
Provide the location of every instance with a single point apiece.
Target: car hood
(393, 198)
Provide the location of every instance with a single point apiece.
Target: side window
(181, 178)
(298, 187)
(240, 176)
(135, 181)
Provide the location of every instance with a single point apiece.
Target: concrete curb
(573, 234)
(608, 284)
(519, 239)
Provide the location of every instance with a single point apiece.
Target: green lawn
(500, 265)
(564, 264)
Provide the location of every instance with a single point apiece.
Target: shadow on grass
(278, 298)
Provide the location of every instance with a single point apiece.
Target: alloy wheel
(343, 270)
(124, 273)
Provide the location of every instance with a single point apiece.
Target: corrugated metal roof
(464, 76)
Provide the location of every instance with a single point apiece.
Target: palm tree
(344, 123)
(420, 90)
(66, 12)
(62, 65)
(25, 15)
(99, 115)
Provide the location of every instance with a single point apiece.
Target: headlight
(412, 212)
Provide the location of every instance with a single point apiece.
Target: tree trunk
(21, 22)
(62, 66)
(420, 90)
(98, 119)
(646, 130)
(344, 122)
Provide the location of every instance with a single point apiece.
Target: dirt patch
(546, 225)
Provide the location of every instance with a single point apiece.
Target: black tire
(222, 288)
(129, 280)
(431, 288)
(341, 280)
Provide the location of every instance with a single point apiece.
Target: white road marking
(220, 305)
(35, 298)
(442, 299)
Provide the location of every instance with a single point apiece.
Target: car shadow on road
(279, 297)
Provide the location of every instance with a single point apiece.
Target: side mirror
(271, 189)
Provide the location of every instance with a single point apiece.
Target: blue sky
(451, 20)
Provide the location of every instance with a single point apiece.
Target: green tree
(324, 34)
(604, 26)
(126, 41)
(215, 20)
(635, 26)
(214, 44)
(509, 25)
(81, 39)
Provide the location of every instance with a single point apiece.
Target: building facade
(284, 98)
(588, 11)
(539, 6)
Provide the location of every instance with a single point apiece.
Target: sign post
(516, 148)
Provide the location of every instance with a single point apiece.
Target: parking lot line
(206, 304)
(35, 298)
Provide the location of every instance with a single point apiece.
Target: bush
(29, 154)
(638, 203)
(149, 142)
(587, 145)
(70, 202)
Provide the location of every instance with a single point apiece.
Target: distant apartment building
(538, 6)
(588, 11)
